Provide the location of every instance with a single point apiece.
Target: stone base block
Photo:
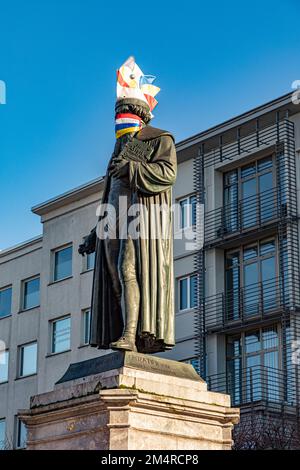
(144, 403)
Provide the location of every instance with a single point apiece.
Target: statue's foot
(124, 343)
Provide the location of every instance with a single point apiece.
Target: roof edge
(71, 195)
(20, 246)
(236, 120)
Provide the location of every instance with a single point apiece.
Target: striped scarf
(126, 122)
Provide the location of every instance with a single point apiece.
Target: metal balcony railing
(256, 384)
(241, 217)
(245, 305)
(261, 138)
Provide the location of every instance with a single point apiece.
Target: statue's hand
(119, 168)
(89, 244)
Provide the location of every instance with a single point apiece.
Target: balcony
(257, 384)
(262, 211)
(254, 303)
(260, 138)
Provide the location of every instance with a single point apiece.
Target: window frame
(85, 312)
(239, 217)
(6, 351)
(52, 323)
(189, 213)
(179, 279)
(87, 268)
(21, 348)
(54, 253)
(3, 289)
(18, 445)
(243, 388)
(24, 282)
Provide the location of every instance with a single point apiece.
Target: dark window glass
(86, 326)
(4, 359)
(183, 213)
(5, 302)
(249, 204)
(267, 247)
(22, 435)
(90, 261)
(28, 359)
(31, 293)
(252, 341)
(264, 164)
(183, 292)
(63, 263)
(251, 289)
(248, 170)
(250, 253)
(61, 335)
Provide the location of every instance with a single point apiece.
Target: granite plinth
(144, 402)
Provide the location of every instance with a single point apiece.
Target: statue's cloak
(151, 185)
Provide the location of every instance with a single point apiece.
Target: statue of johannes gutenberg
(133, 291)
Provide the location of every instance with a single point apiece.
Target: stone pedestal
(128, 401)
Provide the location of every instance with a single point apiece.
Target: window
(5, 302)
(187, 292)
(4, 358)
(28, 359)
(251, 283)
(31, 293)
(61, 335)
(188, 212)
(3, 442)
(63, 263)
(253, 365)
(90, 261)
(251, 187)
(21, 434)
(86, 326)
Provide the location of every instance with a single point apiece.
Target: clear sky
(213, 60)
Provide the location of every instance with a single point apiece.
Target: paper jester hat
(132, 83)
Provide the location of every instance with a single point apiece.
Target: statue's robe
(151, 184)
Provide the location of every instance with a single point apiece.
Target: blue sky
(213, 60)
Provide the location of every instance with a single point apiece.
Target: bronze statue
(133, 300)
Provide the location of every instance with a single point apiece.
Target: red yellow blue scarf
(126, 122)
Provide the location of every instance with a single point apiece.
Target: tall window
(2, 434)
(251, 186)
(187, 292)
(28, 359)
(5, 302)
(253, 365)
(31, 293)
(86, 322)
(4, 358)
(21, 435)
(61, 335)
(63, 263)
(253, 268)
(90, 261)
(188, 212)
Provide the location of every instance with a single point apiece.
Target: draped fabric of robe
(151, 185)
